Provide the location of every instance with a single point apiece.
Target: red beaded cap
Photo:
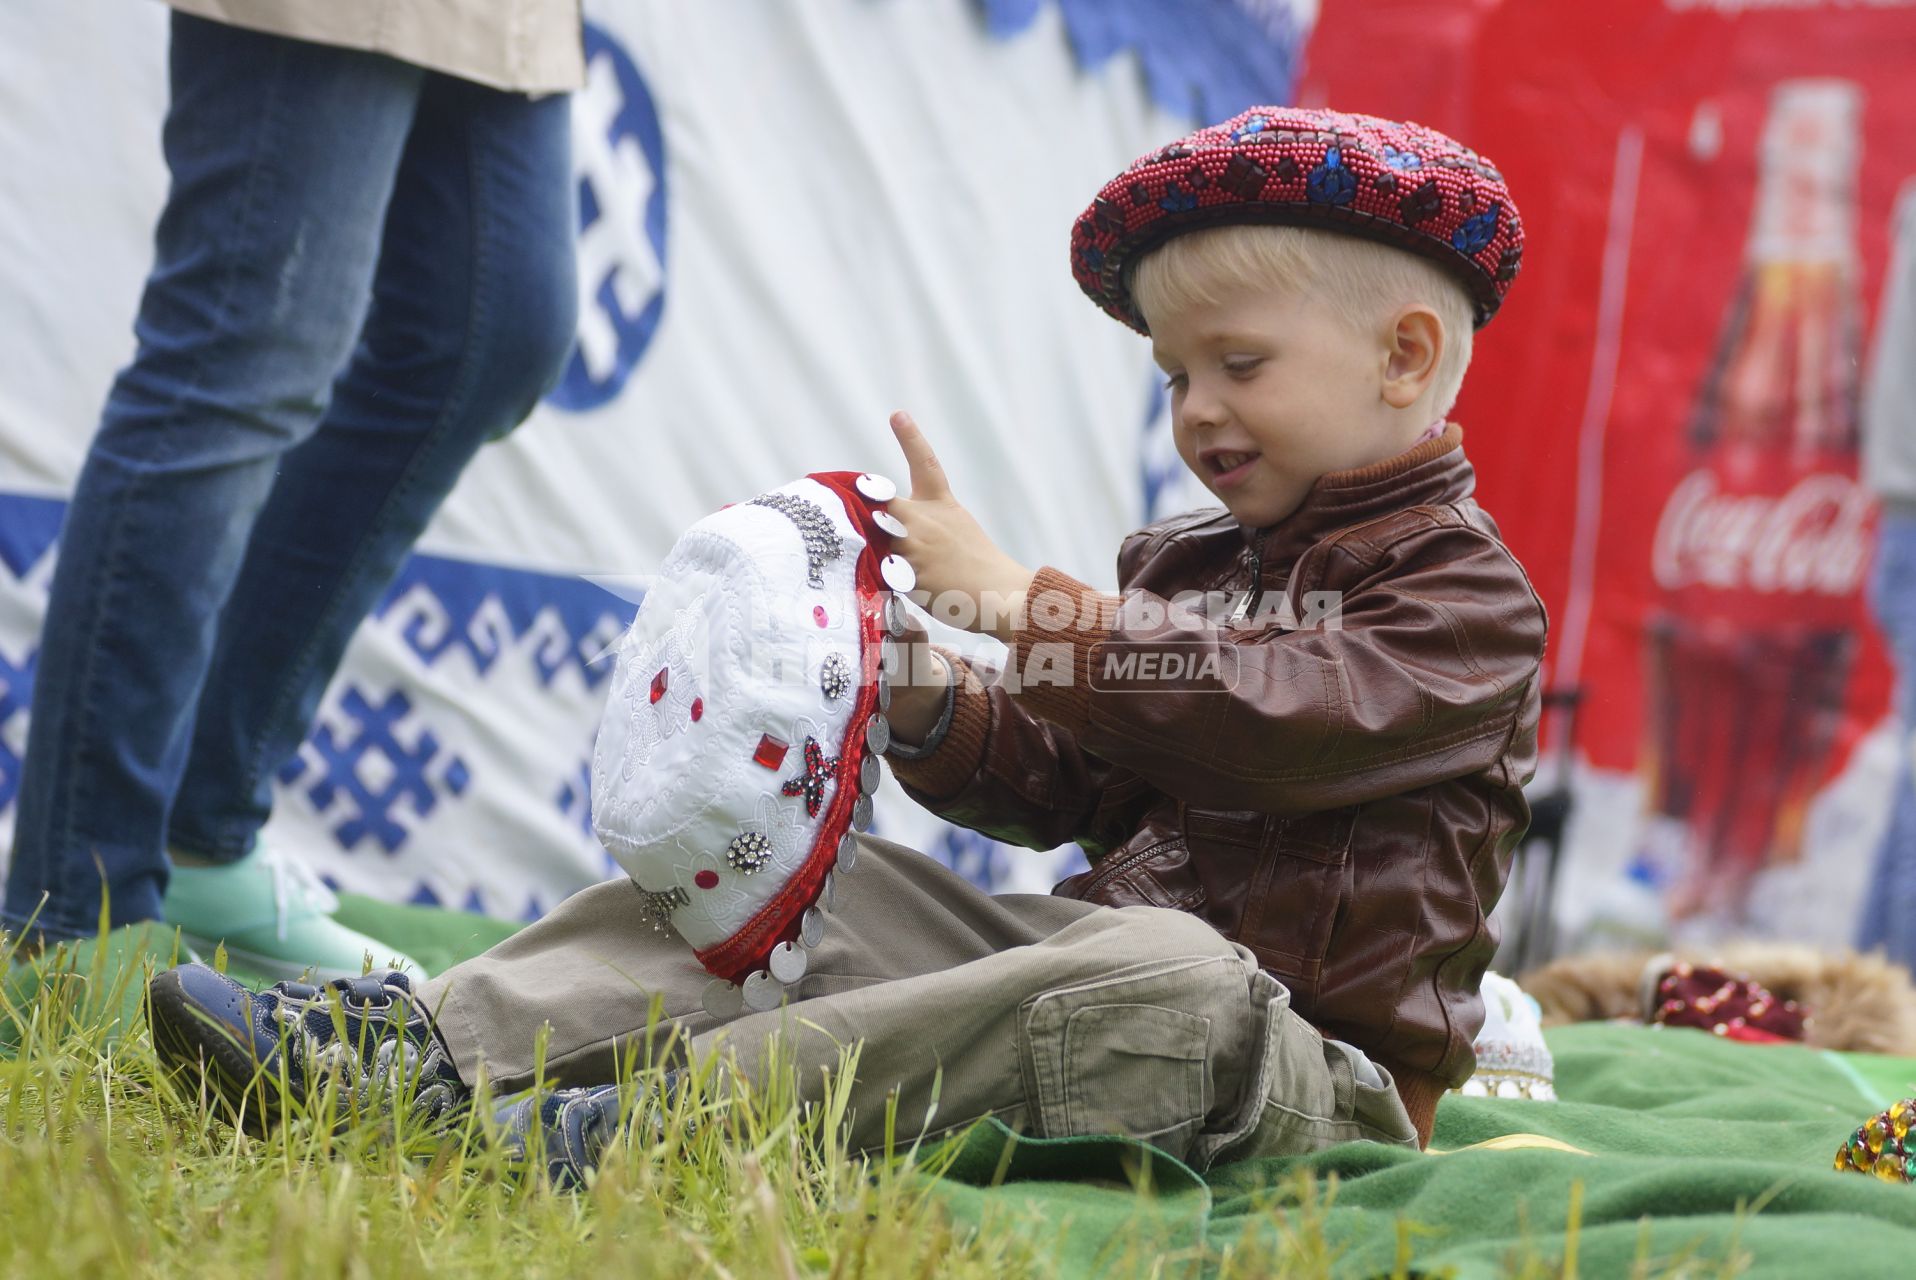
(1400, 183)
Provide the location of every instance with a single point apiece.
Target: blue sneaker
(257, 1050)
(576, 1129)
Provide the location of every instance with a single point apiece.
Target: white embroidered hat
(739, 748)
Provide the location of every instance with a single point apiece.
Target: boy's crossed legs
(1056, 1016)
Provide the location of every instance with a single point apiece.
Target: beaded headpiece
(1883, 1145)
(739, 750)
(1403, 184)
(1512, 1059)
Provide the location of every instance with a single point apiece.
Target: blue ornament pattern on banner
(441, 605)
(1206, 59)
(620, 153)
(16, 686)
(978, 858)
(453, 648)
(28, 528)
(364, 778)
(575, 796)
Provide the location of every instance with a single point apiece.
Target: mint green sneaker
(274, 916)
(93, 986)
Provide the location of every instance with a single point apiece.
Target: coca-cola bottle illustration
(1762, 547)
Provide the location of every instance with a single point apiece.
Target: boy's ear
(1415, 345)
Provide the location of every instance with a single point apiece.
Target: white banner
(797, 218)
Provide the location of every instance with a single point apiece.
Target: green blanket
(1701, 1151)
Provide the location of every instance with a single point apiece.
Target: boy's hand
(918, 686)
(949, 552)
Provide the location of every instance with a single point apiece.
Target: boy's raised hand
(970, 582)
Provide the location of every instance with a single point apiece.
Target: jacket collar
(1435, 471)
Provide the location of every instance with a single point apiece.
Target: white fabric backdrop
(803, 215)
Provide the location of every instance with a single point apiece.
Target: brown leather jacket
(1343, 802)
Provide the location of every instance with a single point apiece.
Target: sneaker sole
(248, 1093)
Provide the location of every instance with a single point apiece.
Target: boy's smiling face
(1271, 389)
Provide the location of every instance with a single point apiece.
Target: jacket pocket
(1294, 895)
(1157, 874)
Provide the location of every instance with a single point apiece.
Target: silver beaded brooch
(836, 676)
(822, 544)
(749, 853)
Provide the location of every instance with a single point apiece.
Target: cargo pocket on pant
(1133, 1069)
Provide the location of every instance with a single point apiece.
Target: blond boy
(1294, 747)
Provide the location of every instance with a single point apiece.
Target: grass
(110, 1168)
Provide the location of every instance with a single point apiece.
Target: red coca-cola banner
(1664, 415)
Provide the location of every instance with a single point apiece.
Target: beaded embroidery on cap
(814, 526)
(723, 782)
(1399, 183)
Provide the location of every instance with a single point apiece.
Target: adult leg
(472, 317)
(1889, 907)
(282, 157)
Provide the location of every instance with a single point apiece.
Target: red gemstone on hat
(658, 685)
(698, 709)
(770, 753)
(706, 879)
(819, 616)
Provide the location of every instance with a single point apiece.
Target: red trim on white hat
(750, 948)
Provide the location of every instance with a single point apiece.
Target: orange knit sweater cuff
(1064, 621)
(947, 768)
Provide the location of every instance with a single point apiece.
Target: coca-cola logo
(1812, 538)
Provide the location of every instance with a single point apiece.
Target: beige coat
(531, 46)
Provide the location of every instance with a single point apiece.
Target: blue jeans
(362, 273)
(1889, 912)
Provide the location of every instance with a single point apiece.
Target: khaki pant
(1059, 1017)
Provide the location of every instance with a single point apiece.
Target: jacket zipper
(1105, 872)
(1243, 610)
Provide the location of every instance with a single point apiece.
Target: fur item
(1856, 1003)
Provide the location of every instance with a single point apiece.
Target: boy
(1297, 839)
